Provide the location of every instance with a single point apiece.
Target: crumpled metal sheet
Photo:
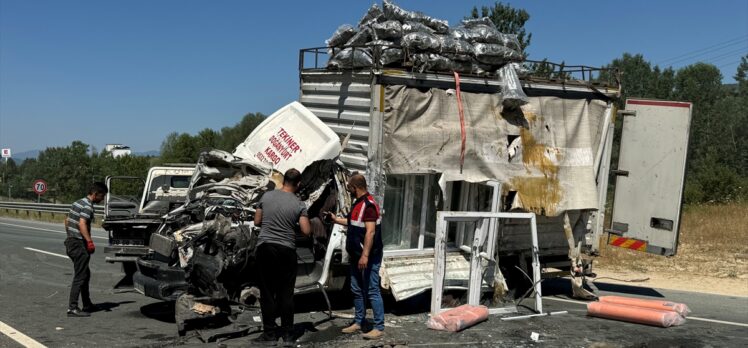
(410, 276)
(221, 175)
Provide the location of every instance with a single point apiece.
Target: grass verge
(712, 243)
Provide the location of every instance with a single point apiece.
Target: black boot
(77, 312)
(268, 338)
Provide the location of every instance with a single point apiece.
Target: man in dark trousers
(79, 247)
(277, 214)
(364, 247)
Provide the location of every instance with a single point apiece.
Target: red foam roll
(679, 308)
(634, 314)
(458, 318)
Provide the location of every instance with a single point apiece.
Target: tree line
(69, 170)
(717, 169)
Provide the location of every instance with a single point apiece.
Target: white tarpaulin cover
(545, 151)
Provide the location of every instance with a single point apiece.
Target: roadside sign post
(39, 187)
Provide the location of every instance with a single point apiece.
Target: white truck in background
(134, 208)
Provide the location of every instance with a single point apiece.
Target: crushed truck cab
(203, 251)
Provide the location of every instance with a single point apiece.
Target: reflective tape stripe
(361, 212)
(628, 243)
(363, 223)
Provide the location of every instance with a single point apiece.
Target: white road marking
(718, 321)
(19, 337)
(687, 318)
(45, 252)
(45, 229)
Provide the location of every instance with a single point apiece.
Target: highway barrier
(39, 208)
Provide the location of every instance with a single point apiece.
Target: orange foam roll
(633, 314)
(676, 307)
(458, 318)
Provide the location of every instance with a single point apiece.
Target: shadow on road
(562, 286)
(107, 306)
(161, 311)
(628, 289)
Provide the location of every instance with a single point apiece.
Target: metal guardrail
(44, 207)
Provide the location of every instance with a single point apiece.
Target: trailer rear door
(650, 176)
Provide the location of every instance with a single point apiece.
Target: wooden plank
(476, 269)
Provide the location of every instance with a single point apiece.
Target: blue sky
(133, 71)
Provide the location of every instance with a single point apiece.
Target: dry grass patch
(712, 243)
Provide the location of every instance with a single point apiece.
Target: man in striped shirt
(80, 246)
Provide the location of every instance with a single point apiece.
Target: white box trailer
(551, 157)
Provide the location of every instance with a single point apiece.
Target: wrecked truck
(451, 119)
(403, 130)
(431, 141)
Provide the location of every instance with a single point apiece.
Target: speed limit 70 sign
(40, 186)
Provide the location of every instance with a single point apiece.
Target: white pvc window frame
(484, 233)
(410, 182)
(410, 185)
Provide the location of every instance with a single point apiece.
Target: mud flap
(126, 283)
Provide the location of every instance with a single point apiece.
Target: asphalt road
(34, 286)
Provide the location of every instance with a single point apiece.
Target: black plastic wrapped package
(412, 27)
(420, 41)
(364, 35)
(495, 54)
(478, 33)
(511, 41)
(391, 29)
(451, 45)
(465, 67)
(373, 14)
(482, 69)
(472, 22)
(344, 33)
(459, 57)
(386, 52)
(432, 62)
(351, 58)
(392, 11)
